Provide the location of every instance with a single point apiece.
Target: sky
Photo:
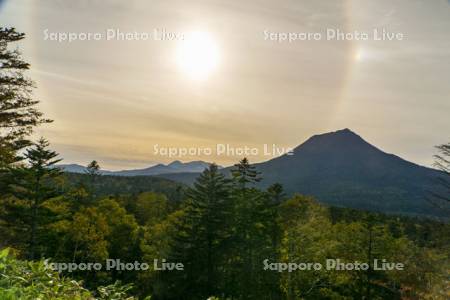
(227, 78)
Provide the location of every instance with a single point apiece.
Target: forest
(222, 229)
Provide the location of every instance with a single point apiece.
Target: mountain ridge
(158, 169)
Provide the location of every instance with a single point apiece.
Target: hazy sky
(113, 101)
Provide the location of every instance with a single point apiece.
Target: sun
(197, 55)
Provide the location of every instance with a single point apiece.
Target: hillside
(107, 185)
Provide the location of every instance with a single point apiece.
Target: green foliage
(441, 196)
(121, 236)
(32, 280)
(223, 231)
(115, 291)
(244, 173)
(150, 208)
(93, 168)
(18, 112)
(119, 186)
(93, 173)
(33, 185)
(263, 225)
(157, 243)
(310, 236)
(87, 235)
(253, 221)
(204, 233)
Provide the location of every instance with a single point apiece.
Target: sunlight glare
(198, 55)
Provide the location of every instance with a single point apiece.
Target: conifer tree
(252, 222)
(275, 196)
(245, 174)
(276, 193)
(93, 173)
(93, 169)
(441, 195)
(18, 113)
(204, 233)
(34, 184)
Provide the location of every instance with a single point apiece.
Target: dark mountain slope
(342, 169)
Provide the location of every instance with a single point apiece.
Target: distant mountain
(173, 167)
(342, 169)
(185, 178)
(72, 168)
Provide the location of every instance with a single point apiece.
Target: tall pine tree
(33, 185)
(204, 234)
(18, 113)
(252, 228)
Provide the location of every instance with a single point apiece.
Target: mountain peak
(340, 133)
(345, 131)
(340, 139)
(175, 163)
